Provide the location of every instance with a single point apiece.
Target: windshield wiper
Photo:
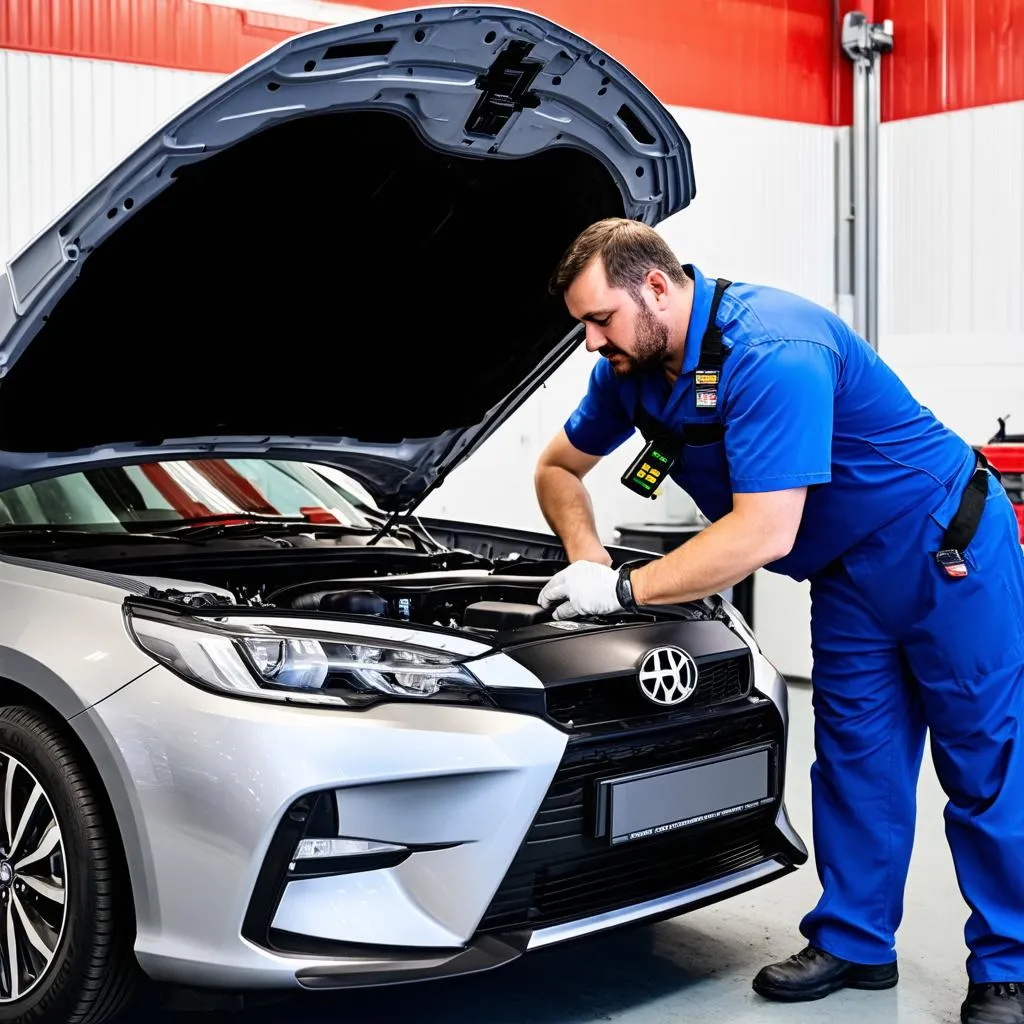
(41, 531)
(248, 523)
(222, 519)
(217, 524)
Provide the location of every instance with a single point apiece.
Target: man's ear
(657, 281)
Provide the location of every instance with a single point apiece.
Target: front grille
(563, 872)
(619, 698)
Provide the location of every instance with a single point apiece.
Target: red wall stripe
(953, 54)
(768, 58)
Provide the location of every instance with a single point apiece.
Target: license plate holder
(664, 800)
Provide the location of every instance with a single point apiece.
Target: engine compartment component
(479, 602)
(502, 615)
(345, 602)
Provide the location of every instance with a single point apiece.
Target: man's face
(629, 334)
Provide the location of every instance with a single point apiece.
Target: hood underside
(341, 253)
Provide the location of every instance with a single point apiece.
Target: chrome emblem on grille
(668, 675)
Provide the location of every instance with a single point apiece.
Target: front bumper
(485, 952)
(211, 794)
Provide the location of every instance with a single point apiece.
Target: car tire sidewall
(56, 994)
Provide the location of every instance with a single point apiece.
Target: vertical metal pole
(864, 43)
(861, 209)
(873, 118)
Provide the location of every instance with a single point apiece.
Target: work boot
(1000, 1002)
(813, 974)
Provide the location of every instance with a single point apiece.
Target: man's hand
(585, 588)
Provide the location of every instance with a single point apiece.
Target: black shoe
(814, 974)
(1000, 1002)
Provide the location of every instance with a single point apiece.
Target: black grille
(619, 699)
(562, 872)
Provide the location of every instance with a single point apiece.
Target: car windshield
(132, 499)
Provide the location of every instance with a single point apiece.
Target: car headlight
(739, 620)
(250, 658)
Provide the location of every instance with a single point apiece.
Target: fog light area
(321, 849)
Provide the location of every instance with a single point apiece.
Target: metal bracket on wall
(864, 43)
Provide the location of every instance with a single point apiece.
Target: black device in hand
(647, 473)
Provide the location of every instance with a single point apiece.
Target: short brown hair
(628, 249)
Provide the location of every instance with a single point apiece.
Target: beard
(650, 345)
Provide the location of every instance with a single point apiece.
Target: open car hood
(338, 254)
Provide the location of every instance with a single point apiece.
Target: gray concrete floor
(694, 968)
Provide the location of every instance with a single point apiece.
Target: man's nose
(594, 337)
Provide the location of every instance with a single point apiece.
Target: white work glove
(585, 588)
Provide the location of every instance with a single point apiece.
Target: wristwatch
(624, 589)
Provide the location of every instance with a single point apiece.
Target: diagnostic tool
(648, 472)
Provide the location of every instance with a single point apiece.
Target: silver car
(263, 727)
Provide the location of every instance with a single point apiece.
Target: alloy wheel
(33, 881)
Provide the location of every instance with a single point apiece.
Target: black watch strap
(624, 588)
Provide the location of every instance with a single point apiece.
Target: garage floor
(695, 968)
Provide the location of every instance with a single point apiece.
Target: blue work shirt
(804, 401)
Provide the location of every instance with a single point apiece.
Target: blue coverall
(898, 645)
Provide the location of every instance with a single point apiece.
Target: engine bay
(455, 602)
(481, 581)
(490, 603)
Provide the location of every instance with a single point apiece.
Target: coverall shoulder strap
(711, 354)
(708, 374)
(651, 427)
(711, 349)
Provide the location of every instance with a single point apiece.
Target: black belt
(964, 524)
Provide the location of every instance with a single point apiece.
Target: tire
(89, 972)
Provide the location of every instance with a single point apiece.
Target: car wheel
(66, 952)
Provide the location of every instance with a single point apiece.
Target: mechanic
(811, 458)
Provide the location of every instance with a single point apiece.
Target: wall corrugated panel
(952, 263)
(64, 122)
(167, 33)
(952, 54)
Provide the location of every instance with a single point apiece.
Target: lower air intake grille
(562, 872)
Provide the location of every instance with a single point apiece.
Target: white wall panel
(765, 199)
(65, 122)
(952, 263)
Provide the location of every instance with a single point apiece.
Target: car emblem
(668, 675)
